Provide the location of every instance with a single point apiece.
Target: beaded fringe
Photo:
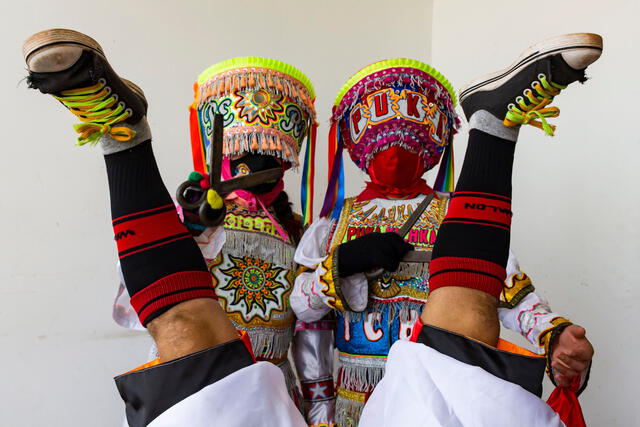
(255, 79)
(364, 375)
(291, 383)
(270, 343)
(258, 245)
(261, 140)
(348, 412)
(413, 269)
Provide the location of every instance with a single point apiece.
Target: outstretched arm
(565, 345)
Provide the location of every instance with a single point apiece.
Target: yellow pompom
(214, 199)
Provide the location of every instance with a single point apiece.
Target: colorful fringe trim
(261, 246)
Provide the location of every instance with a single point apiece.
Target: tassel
(197, 148)
(272, 143)
(235, 83)
(243, 81)
(279, 144)
(279, 86)
(227, 85)
(252, 81)
(269, 81)
(261, 79)
(265, 142)
(236, 145)
(254, 142)
(445, 178)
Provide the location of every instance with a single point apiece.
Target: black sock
(472, 247)
(161, 263)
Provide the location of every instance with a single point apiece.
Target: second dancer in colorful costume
(397, 119)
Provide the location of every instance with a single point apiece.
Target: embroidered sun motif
(253, 286)
(259, 105)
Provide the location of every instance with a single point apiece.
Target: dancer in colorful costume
(396, 118)
(267, 109)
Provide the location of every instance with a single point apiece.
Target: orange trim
(510, 347)
(154, 362)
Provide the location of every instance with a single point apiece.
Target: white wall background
(575, 195)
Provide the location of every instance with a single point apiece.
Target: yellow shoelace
(537, 111)
(98, 110)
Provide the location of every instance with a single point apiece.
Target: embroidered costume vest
(253, 276)
(395, 302)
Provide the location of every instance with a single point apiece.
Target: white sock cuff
(143, 133)
(487, 122)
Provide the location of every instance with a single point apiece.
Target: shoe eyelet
(527, 91)
(102, 81)
(519, 99)
(533, 84)
(511, 107)
(115, 97)
(130, 111)
(121, 104)
(541, 76)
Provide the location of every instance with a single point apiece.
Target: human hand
(571, 355)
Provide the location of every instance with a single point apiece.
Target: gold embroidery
(328, 281)
(354, 396)
(515, 288)
(546, 337)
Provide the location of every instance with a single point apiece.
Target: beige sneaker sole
(60, 37)
(584, 45)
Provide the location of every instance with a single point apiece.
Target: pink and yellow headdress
(268, 108)
(393, 102)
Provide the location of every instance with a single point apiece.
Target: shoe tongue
(563, 74)
(85, 72)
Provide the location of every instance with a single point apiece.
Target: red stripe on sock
(480, 208)
(141, 231)
(142, 212)
(171, 290)
(470, 273)
(146, 248)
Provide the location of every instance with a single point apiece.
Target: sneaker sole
(549, 47)
(61, 37)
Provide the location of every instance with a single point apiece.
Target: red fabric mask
(396, 173)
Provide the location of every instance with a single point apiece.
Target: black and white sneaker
(72, 67)
(521, 93)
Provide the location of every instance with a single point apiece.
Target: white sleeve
(211, 241)
(311, 296)
(123, 314)
(526, 313)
